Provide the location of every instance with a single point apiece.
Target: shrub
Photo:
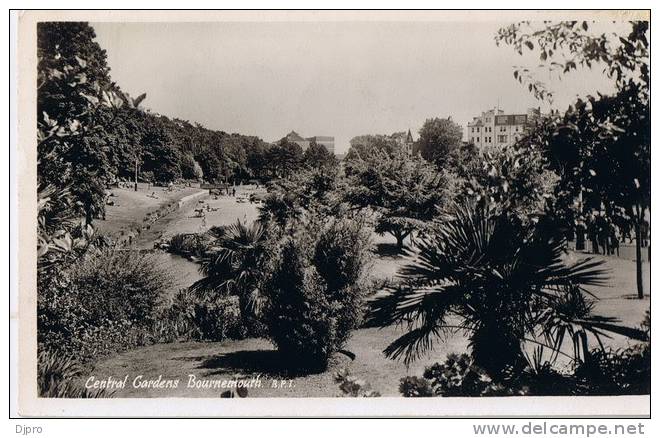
(413, 386)
(616, 372)
(316, 285)
(458, 376)
(218, 319)
(107, 303)
(177, 318)
(300, 318)
(605, 372)
(57, 376)
(233, 266)
(189, 245)
(189, 316)
(353, 387)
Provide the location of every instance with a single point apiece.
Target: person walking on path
(592, 231)
(614, 239)
(602, 234)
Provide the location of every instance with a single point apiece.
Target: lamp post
(136, 174)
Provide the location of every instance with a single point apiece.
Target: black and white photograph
(452, 206)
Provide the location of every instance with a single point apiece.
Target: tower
(408, 145)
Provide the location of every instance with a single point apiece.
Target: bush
(606, 372)
(219, 319)
(189, 244)
(190, 316)
(458, 376)
(616, 372)
(106, 303)
(353, 387)
(316, 287)
(413, 386)
(57, 376)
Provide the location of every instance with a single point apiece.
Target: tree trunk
(88, 215)
(399, 240)
(400, 237)
(638, 259)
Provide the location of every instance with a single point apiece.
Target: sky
(340, 79)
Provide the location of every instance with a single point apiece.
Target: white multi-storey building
(494, 128)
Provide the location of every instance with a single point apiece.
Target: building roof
(294, 136)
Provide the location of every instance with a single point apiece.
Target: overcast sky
(330, 78)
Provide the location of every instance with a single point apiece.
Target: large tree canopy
(438, 139)
(601, 147)
(405, 192)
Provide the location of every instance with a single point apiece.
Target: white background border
(532, 406)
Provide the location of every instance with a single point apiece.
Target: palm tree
(499, 280)
(234, 265)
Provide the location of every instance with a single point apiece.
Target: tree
(76, 102)
(611, 162)
(438, 138)
(234, 266)
(406, 192)
(317, 190)
(284, 158)
(256, 157)
(317, 155)
(512, 179)
(501, 281)
(160, 156)
(601, 146)
(364, 146)
(316, 283)
(190, 169)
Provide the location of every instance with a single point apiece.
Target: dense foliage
(438, 139)
(405, 192)
(107, 302)
(605, 372)
(601, 146)
(57, 375)
(363, 147)
(316, 287)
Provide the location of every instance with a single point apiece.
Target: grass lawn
(251, 357)
(130, 207)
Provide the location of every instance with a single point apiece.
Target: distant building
(326, 141)
(408, 144)
(405, 141)
(294, 137)
(494, 128)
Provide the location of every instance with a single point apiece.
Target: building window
(502, 138)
